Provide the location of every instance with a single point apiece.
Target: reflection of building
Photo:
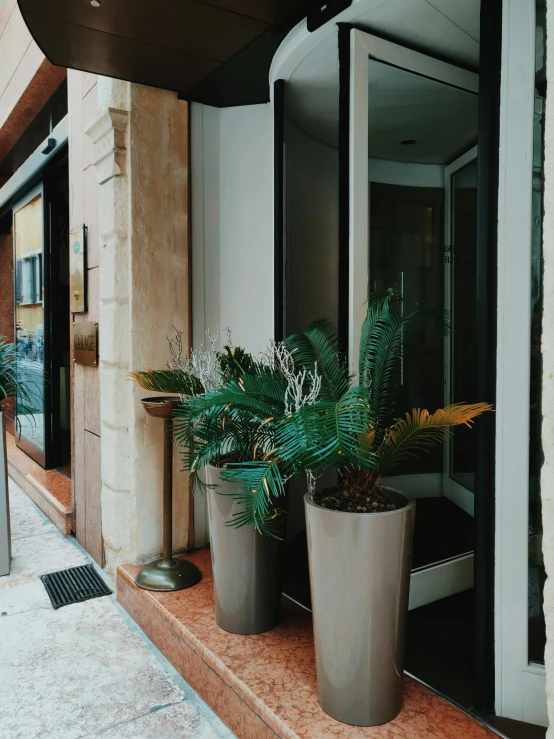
(362, 156)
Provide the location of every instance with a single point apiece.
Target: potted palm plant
(233, 427)
(359, 532)
(14, 392)
(245, 554)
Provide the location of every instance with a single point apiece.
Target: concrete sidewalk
(85, 670)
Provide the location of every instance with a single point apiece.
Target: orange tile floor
(49, 489)
(265, 686)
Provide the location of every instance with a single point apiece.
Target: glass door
(413, 117)
(414, 125)
(30, 322)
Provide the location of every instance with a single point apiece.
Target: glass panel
(29, 316)
(461, 257)
(406, 253)
(416, 127)
(537, 575)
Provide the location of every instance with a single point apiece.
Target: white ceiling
(448, 29)
(441, 119)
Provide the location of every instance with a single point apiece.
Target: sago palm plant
(235, 425)
(314, 418)
(14, 391)
(205, 368)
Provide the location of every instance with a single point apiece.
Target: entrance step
(49, 489)
(264, 686)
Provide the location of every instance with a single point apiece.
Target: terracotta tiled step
(264, 686)
(49, 489)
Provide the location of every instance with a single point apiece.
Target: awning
(212, 51)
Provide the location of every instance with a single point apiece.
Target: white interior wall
(232, 233)
(232, 223)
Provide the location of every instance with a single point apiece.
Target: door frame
(455, 491)
(520, 685)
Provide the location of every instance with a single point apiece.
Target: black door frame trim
(487, 260)
(279, 209)
(344, 185)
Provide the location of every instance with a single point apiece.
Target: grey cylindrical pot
(360, 577)
(246, 566)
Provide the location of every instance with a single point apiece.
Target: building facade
(382, 144)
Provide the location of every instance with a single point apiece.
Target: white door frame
(520, 686)
(452, 489)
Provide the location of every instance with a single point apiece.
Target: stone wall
(140, 141)
(6, 286)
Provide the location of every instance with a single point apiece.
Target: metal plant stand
(167, 573)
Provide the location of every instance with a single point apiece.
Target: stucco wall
(27, 79)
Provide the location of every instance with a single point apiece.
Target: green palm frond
(381, 347)
(318, 347)
(420, 430)
(262, 484)
(174, 381)
(327, 434)
(259, 396)
(234, 362)
(13, 390)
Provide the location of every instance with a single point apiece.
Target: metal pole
(5, 534)
(167, 574)
(168, 490)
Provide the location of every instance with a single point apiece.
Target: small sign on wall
(85, 343)
(78, 270)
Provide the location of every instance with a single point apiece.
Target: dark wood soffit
(213, 51)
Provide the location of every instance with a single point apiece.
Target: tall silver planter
(246, 566)
(360, 577)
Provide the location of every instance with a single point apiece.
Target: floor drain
(74, 585)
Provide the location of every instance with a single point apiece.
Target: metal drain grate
(74, 585)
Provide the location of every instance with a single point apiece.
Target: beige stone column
(547, 474)
(140, 144)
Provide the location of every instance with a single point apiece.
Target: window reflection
(29, 317)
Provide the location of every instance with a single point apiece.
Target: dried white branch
(281, 360)
(311, 480)
(202, 362)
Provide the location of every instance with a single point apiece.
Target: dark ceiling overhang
(216, 52)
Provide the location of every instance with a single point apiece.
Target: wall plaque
(78, 270)
(85, 343)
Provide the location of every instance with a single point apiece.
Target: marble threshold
(48, 489)
(264, 686)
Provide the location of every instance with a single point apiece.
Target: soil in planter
(376, 501)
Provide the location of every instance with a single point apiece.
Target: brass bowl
(161, 406)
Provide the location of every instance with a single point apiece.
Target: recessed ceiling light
(95, 3)
(408, 142)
